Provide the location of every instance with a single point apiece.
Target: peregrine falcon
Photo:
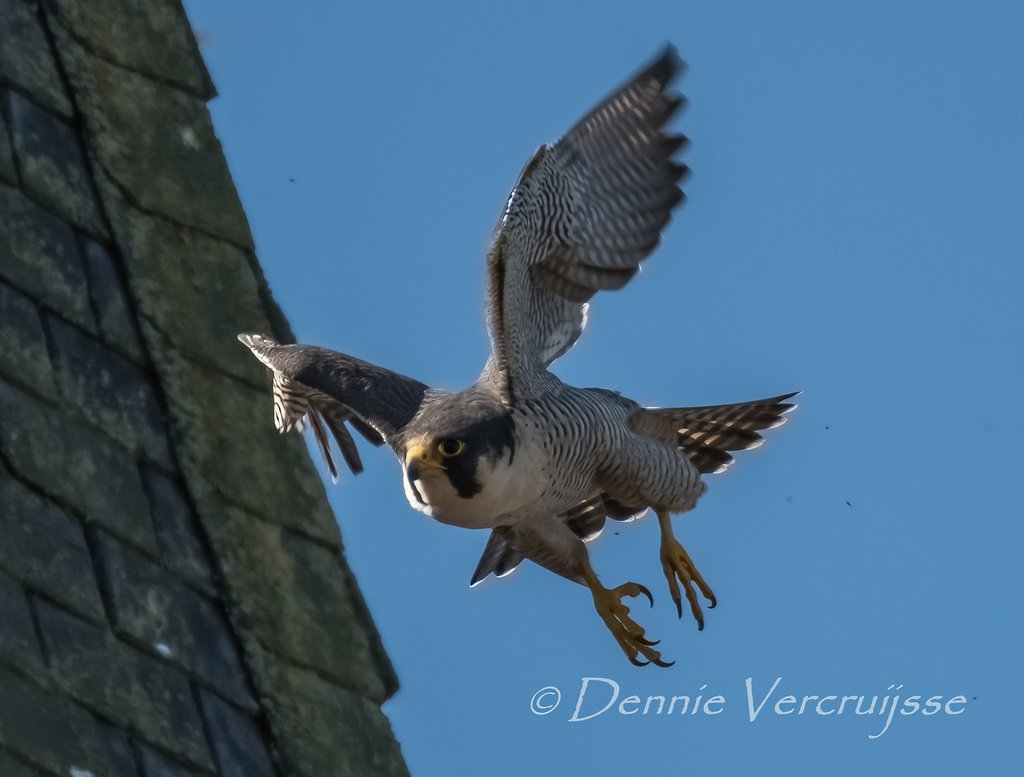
(539, 463)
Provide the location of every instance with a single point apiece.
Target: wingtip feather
(667, 63)
(253, 341)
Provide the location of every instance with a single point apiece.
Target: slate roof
(174, 598)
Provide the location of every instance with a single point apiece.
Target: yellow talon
(677, 565)
(627, 632)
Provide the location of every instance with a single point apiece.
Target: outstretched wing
(327, 388)
(584, 214)
(706, 435)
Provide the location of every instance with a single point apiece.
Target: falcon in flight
(539, 463)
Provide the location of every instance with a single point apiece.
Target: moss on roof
(174, 597)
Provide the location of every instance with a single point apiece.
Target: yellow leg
(677, 564)
(629, 635)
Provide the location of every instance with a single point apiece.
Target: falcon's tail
(587, 519)
(499, 557)
(706, 434)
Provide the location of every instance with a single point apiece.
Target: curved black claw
(639, 649)
(645, 592)
(665, 664)
(679, 568)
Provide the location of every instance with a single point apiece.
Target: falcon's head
(458, 456)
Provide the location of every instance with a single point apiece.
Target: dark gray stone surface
(229, 442)
(51, 163)
(294, 600)
(347, 737)
(96, 477)
(41, 259)
(45, 728)
(146, 135)
(175, 269)
(23, 356)
(25, 56)
(11, 768)
(119, 749)
(177, 530)
(114, 394)
(156, 765)
(44, 549)
(8, 173)
(18, 645)
(143, 694)
(141, 608)
(237, 743)
(151, 606)
(153, 39)
(110, 301)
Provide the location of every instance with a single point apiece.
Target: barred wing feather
(584, 214)
(330, 391)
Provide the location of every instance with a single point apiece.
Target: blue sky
(853, 230)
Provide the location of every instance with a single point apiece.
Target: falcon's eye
(449, 448)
